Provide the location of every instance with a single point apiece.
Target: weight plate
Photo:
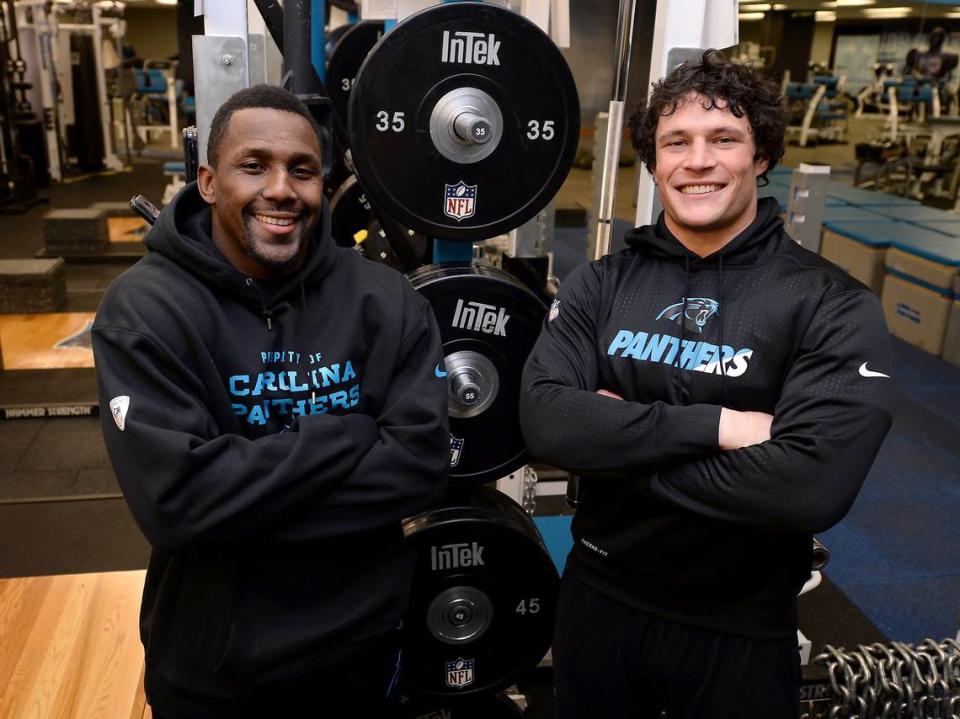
(483, 597)
(375, 246)
(488, 322)
(350, 212)
(410, 247)
(495, 707)
(476, 83)
(332, 39)
(348, 56)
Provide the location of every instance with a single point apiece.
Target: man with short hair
(273, 406)
(723, 393)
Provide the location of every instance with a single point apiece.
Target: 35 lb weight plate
(488, 322)
(465, 119)
(483, 598)
(348, 55)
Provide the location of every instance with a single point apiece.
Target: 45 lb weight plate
(483, 599)
(464, 121)
(488, 321)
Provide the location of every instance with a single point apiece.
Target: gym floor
(895, 570)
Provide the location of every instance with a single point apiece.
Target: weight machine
(78, 136)
(19, 169)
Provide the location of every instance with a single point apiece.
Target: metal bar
(299, 76)
(272, 14)
(611, 155)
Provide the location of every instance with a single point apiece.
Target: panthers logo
(696, 310)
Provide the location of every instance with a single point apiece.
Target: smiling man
(708, 384)
(273, 409)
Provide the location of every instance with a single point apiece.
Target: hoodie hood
(758, 241)
(183, 234)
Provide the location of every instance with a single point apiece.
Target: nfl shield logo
(460, 200)
(456, 445)
(554, 311)
(460, 673)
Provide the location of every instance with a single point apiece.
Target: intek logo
(456, 556)
(470, 48)
(479, 317)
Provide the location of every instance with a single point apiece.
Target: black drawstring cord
(723, 368)
(267, 313)
(678, 374)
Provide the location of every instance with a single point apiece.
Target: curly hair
(722, 84)
(270, 97)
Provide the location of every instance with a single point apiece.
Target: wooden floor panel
(126, 229)
(31, 341)
(70, 647)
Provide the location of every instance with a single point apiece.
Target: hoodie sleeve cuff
(689, 429)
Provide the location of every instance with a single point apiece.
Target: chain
(529, 489)
(895, 681)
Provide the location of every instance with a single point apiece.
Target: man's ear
(761, 164)
(206, 184)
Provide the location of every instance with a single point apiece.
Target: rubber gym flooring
(895, 567)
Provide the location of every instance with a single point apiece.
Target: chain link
(529, 489)
(895, 681)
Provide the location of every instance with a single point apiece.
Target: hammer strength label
(456, 556)
(470, 48)
(480, 317)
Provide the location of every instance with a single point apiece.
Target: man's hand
(608, 393)
(742, 429)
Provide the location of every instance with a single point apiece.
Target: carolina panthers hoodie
(669, 522)
(269, 438)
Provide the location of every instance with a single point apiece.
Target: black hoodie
(671, 524)
(272, 438)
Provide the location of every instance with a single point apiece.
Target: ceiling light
(750, 16)
(780, 6)
(824, 16)
(167, 2)
(828, 5)
(763, 7)
(855, 3)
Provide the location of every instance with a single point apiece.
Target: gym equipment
(350, 212)
(348, 55)
(449, 103)
(483, 598)
(18, 169)
(73, 231)
(29, 286)
(886, 680)
(355, 223)
(489, 321)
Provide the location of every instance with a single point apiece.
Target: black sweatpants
(614, 661)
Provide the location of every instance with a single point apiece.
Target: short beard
(274, 266)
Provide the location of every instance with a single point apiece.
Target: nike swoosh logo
(864, 372)
(439, 372)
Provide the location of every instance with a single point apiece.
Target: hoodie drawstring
(723, 367)
(267, 313)
(677, 373)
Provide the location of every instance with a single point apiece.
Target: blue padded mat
(916, 213)
(880, 232)
(867, 198)
(848, 213)
(929, 244)
(947, 227)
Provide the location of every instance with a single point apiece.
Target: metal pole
(300, 77)
(611, 155)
